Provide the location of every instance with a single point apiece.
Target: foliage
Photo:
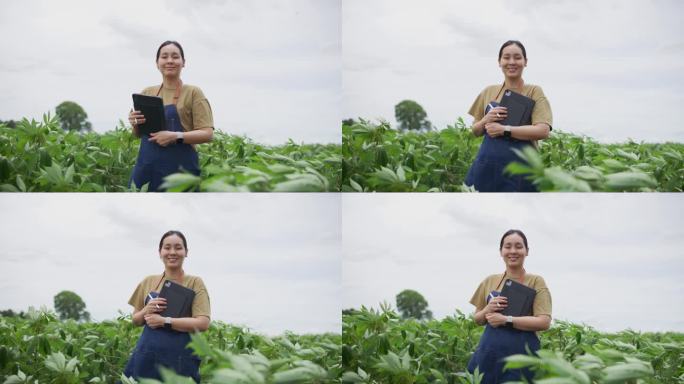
(40, 157)
(380, 347)
(73, 117)
(44, 349)
(69, 305)
(377, 158)
(411, 116)
(412, 304)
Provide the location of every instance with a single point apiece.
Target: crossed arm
(491, 314)
(149, 315)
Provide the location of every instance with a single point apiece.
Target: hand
(494, 130)
(133, 115)
(495, 319)
(496, 114)
(154, 321)
(155, 306)
(497, 304)
(163, 138)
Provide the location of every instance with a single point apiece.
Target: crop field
(42, 349)
(377, 158)
(379, 347)
(41, 157)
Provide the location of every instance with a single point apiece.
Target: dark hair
(177, 44)
(506, 44)
(511, 232)
(171, 233)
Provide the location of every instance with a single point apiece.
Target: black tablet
(519, 108)
(152, 107)
(520, 298)
(178, 300)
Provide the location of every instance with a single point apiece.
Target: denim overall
(487, 172)
(156, 162)
(165, 347)
(498, 343)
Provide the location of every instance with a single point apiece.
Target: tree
(9, 123)
(70, 306)
(349, 121)
(411, 115)
(412, 304)
(73, 117)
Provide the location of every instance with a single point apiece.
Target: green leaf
(625, 180)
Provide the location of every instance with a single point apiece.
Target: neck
(171, 82)
(514, 82)
(515, 272)
(174, 273)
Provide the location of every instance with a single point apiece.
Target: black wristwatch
(507, 131)
(179, 138)
(167, 323)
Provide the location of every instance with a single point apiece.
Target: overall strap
(176, 96)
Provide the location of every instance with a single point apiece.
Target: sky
(610, 261)
(611, 69)
(270, 69)
(271, 262)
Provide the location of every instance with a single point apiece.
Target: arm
(197, 136)
(494, 115)
(539, 131)
(182, 324)
(153, 306)
(523, 323)
(481, 316)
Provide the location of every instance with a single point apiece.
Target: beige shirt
(542, 300)
(541, 113)
(152, 283)
(193, 107)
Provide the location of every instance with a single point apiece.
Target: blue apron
(487, 172)
(165, 347)
(498, 343)
(156, 162)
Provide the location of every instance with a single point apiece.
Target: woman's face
(512, 61)
(170, 61)
(172, 252)
(513, 251)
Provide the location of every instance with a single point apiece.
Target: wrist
(509, 321)
(180, 137)
(167, 323)
(507, 131)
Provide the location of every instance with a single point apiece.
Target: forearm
(480, 317)
(190, 324)
(198, 136)
(532, 323)
(139, 317)
(530, 132)
(478, 128)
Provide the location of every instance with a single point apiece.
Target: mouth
(172, 259)
(513, 258)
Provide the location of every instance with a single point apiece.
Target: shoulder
(151, 90)
(193, 90)
(536, 281)
(490, 89)
(492, 279)
(195, 282)
(534, 90)
(150, 278)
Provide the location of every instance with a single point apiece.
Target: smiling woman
(496, 152)
(188, 118)
(164, 339)
(508, 335)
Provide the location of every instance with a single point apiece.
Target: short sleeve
(542, 109)
(202, 116)
(479, 299)
(542, 301)
(477, 109)
(137, 299)
(200, 305)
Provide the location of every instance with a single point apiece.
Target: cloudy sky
(271, 69)
(610, 261)
(611, 69)
(270, 261)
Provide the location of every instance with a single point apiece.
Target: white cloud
(271, 262)
(607, 67)
(612, 248)
(271, 70)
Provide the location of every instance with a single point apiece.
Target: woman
(188, 121)
(487, 172)
(163, 340)
(508, 335)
